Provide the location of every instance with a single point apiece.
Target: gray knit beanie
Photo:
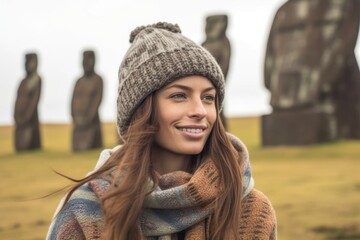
(158, 55)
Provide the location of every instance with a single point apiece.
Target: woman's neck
(164, 161)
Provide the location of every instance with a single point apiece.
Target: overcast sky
(59, 31)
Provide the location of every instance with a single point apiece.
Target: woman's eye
(209, 98)
(178, 96)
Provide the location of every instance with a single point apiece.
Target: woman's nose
(197, 110)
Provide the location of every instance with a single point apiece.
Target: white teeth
(192, 130)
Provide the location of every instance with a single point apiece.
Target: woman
(178, 175)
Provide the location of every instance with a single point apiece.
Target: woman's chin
(192, 150)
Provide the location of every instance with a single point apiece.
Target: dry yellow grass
(315, 190)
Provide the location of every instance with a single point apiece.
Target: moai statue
(312, 73)
(218, 45)
(85, 103)
(27, 132)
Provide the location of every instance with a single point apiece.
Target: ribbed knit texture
(257, 217)
(160, 54)
(178, 204)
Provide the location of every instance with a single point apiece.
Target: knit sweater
(82, 217)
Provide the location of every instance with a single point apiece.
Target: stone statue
(27, 133)
(312, 73)
(85, 103)
(218, 45)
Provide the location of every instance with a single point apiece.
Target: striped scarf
(179, 204)
(182, 200)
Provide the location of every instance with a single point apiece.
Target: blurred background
(315, 190)
(59, 31)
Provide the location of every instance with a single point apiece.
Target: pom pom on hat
(161, 25)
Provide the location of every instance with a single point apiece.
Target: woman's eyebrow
(186, 88)
(209, 89)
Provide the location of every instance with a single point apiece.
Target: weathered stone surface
(304, 127)
(27, 132)
(218, 45)
(310, 63)
(85, 104)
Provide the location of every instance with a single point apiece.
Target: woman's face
(186, 113)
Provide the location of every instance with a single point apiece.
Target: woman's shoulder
(89, 194)
(244, 161)
(86, 199)
(82, 201)
(84, 195)
(256, 201)
(258, 219)
(80, 217)
(257, 216)
(242, 153)
(239, 146)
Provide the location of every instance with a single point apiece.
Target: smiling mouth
(192, 130)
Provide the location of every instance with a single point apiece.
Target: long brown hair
(123, 203)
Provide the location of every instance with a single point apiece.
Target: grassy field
(315, 190)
